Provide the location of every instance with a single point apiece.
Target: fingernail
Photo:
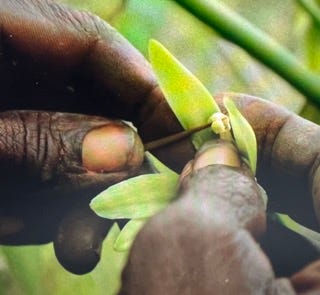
(217, 152)
(110, 148)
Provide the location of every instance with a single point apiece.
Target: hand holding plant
(141, 197)
(145, 204)
(43, 75)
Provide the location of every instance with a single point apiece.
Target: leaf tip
(93, 204)
(153, 47)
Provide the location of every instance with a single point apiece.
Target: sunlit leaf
(128, 234)
(188, 98)
(312, 236)
(137, 197)
(157, 165)
(243, 133)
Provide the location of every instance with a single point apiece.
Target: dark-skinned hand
(215, 238)
(56, 59)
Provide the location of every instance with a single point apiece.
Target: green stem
(312, 9)
(260, 45)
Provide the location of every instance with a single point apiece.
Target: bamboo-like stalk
(312, 9)
(257, 43)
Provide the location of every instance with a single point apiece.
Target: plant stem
(312, 9)
(257, 43)
(158, 143)
(173, 138)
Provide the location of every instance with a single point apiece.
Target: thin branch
(257, 43)
(172, 138)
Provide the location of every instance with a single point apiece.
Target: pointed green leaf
(243, 133)
(190, 101)
(137, 197)
(128, 234)
(157, 165)
(312, 236)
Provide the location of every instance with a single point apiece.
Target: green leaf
(137, 197)
(312, 236)
(190, 101)
(128, 234)
(243, 133)
(157, 165)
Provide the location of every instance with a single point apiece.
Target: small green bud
(220, 123)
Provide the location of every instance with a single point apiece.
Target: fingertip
(78, 241)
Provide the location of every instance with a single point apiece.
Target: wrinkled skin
(53, 58)
(201, 244)
(56, 59)
(205, 241)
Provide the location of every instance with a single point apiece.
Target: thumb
(69, 150)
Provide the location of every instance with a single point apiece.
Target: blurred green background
(220, 65)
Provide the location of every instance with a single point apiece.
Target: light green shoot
(190, 101)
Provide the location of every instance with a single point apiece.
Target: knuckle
(25, 140)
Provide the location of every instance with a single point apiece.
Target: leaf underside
(137, 197)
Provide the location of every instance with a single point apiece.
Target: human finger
(46, 45)
(288, 149)
(78, 240)
(52, 155)
(67, 150)
(209, 229)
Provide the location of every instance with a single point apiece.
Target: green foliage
(158, 166)
(312, 236)
(137, 197)
(141, 197)
(188, 98)
(128, 234)
(34, 270)
(244, 135)
(193, 105)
